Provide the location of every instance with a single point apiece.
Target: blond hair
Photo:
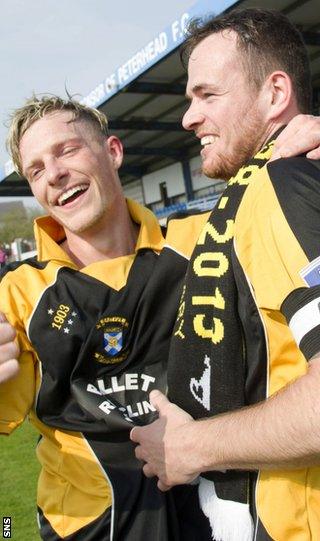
(36, 108)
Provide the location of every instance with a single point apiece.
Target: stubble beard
(226, 164)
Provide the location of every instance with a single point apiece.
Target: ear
(279, 94)
(115, 150)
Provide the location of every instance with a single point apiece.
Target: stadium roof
(144, 98)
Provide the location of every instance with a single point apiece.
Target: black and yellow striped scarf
(206, 373)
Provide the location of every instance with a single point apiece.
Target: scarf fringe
(229, 520)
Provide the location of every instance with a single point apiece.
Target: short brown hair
(267, 42)
(36, 108)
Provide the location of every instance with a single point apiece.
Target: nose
(192, 117)
(55, 171)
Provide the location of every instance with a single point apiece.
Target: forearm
(282, 432)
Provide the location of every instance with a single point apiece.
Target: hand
(161, 444)
(301, 135)
(9, 350)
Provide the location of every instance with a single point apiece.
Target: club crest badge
(114, 347)
(113, 342)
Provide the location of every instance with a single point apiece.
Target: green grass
(19, 472)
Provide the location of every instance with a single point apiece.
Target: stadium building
(144, 100)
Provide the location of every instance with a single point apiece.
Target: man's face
(225, 111)
(72, 170)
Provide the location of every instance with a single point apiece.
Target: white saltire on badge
(113, 342)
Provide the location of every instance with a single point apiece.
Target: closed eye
(35, 174)
(208, 95)
(69, 150)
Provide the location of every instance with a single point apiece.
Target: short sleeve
(16, 395)
(279, 245)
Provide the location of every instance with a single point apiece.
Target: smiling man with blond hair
(92, 312)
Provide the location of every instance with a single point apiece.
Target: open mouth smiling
(72, 194)
(207, 140)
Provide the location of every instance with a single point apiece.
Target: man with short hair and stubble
(244, 367)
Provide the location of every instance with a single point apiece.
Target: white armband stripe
(305, 319)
